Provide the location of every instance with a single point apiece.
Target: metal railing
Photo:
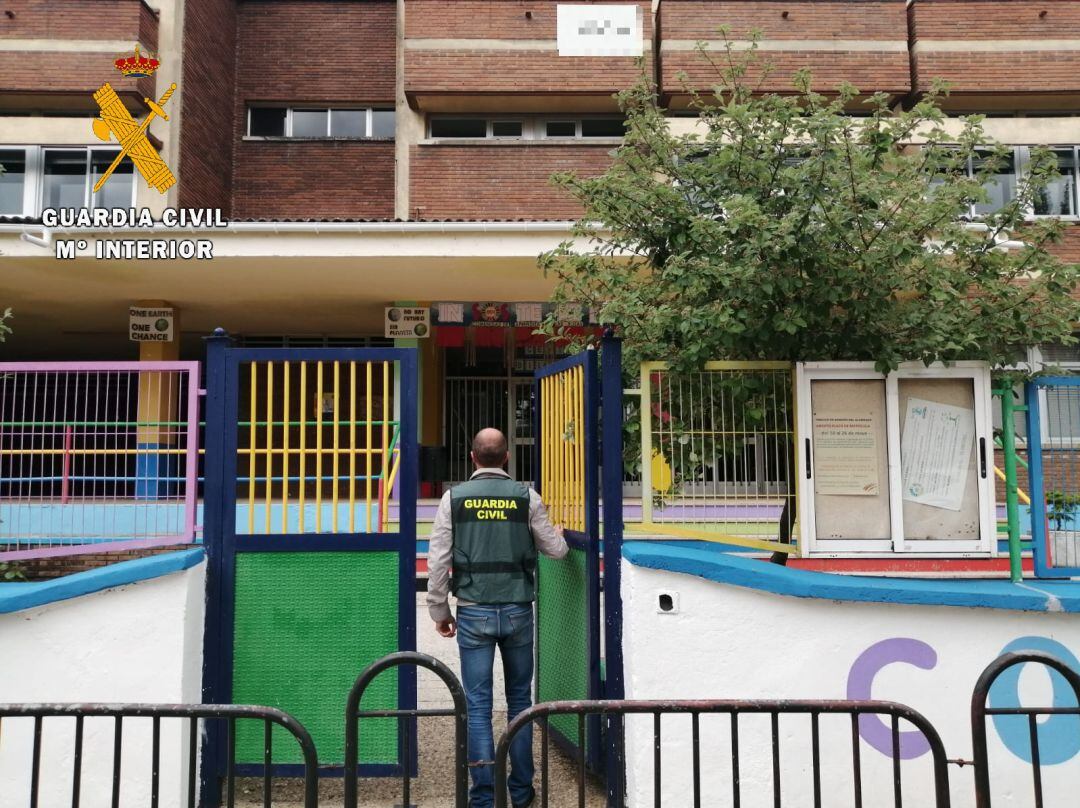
(121, 778)
(97, 456)
(1030, 715)
(718, 450)
(406, 726)
(695, 709)
(1014, 495)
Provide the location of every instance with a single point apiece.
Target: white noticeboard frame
(983, 540)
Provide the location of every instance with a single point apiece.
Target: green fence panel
(307, 624)
(562, 634)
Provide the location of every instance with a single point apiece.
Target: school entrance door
(474, 402)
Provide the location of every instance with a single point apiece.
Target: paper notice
(936, 453)
(846, 455)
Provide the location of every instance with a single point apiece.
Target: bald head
(489, 449)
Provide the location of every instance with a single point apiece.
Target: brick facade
(827, 29)
(59, 71)
(316, 51)
(1068, 249)
(79, 74)
(314, 179)
(513, 53)
(451, 181)
(42, 569)
(995, 46)
(320, 54)
(79, 19)
(206, 154)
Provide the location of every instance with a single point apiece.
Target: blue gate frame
(1040, 533)
(602, 543)
(223, 544)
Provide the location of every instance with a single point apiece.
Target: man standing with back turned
(489, 530)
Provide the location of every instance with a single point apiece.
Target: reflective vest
(494, 557)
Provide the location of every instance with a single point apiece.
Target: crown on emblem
(137, 66)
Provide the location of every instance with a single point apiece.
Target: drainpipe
(45, 240)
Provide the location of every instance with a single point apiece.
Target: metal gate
(568, 591)
(310, 579)
(1053, 429)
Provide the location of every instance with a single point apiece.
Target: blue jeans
(479, 630)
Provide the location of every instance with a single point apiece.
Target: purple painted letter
(861, 679)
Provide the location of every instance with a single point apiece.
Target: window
(266, 122)
(506, 128)
(382, 123)
(12, 182)
(1001, 185)
(458, 127)
(37, 177)
(584, 128)
(603, 127)
(1059, 197)
(320, 122)
(561, 129)
(1060, 414)
(310, 123)
(526, 128)
(119, 191)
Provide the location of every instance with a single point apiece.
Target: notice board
(851, 459)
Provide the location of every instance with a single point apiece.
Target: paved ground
(434, 788)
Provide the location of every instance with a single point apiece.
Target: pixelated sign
(609, 30)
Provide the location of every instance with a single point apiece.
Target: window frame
(533, 128)
(1023, 160)
(369, 116)
(577, 121)
(1021, 157)
(897, 545)
(34, 182)
(1038, 363)
(32, 179)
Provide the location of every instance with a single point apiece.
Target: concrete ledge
(26, 595)
(722, 567)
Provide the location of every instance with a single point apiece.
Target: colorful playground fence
(97, 456)
(719, 453)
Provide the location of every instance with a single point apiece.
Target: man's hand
(446, 628)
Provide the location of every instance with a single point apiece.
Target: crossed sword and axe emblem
(116, 121)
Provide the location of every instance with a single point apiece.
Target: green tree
(784, 228)
(787, 229)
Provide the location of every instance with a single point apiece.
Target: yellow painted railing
(338, 474)
(1019, 491)
(562, 446)
(719, 453)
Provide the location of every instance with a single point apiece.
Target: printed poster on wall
(846, 455)
(936, 453)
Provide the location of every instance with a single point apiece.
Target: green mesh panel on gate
(306, 625)
(563, 650)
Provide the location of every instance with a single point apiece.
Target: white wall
(135, 643)
(731, 642)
